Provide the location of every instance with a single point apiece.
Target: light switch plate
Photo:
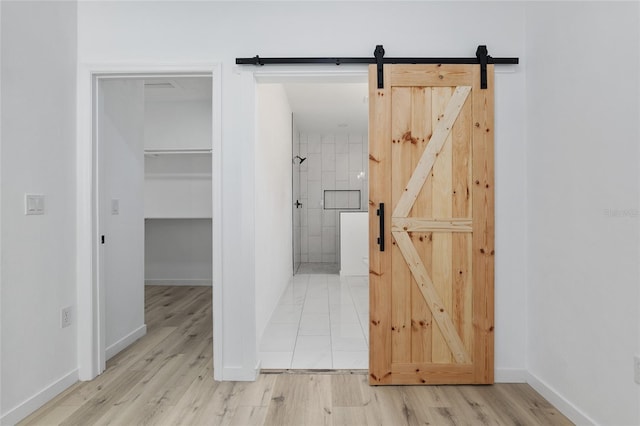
(115, 206)
(33, 204)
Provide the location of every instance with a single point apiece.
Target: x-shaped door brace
(401, 224)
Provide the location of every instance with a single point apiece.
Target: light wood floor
(166, 378)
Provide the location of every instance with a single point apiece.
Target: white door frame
(90, 302)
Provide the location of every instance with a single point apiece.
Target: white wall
(208, 32)
(121, 140)
(582, 162)
(178, 185)
(38, 79)
(273, 214)
(177, 124)
(177, 252)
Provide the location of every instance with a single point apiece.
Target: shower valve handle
(298, 204)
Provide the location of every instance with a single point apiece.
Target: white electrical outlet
(65, 317)
(636, 369)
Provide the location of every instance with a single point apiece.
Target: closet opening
(154, 208)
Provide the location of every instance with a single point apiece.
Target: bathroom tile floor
(321, 322)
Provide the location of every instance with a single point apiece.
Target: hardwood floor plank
(346, 391)
(260, 392)
(470, 407)
(194, 400)
(166, 378)
(54, 416)
(249, 416)
(91, 411)
(300, 400)
(351, 416)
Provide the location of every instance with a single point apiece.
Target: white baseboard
(179, 282)
(238, 374)
(125, 341)
(510, 375)
(561, 403)
(21, 411)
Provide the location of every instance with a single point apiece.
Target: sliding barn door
(431, 208)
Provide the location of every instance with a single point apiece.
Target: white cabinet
(354, 243)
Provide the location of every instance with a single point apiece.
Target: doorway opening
(155, 190)
(329, 173)
(319, 316)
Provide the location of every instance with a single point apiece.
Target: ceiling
(329, 107)
(336, 107)
(160, 89)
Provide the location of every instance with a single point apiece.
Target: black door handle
(380, 213)
(298, 204)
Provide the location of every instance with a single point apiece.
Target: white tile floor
(321, 322)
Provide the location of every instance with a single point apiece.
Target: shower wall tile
(328, 157)
(355, 199)
(329, 218)
(328, 180)
(355, 157)
(303, 151)
(329, 258)
(342, 147)
(328, 138)
(355, 183)
(304, 177)
(304, 240)
(329, 240)
(342, 167)
(303, 215)
(314, 166)
(343, 184)
(314, 144)
(315, 249)
(314, 194)
(314, 222)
